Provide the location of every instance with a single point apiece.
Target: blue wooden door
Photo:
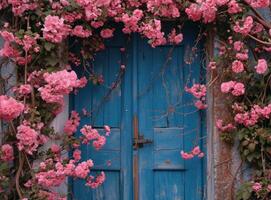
(144, 101)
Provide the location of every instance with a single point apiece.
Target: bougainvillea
(35, 33)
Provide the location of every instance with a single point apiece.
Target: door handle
(141, 141)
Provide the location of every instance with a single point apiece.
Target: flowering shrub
(34, 34)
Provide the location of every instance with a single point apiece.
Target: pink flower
(28, 139)
(97, 24)
(186, 156)
(107, 33)
(227, 86)
(72, 124)
(107, 130)
(55, 148)
(258, 3)
(194, 12)
(203, 9)
(200, 105)
(10, 108)
(237, 66)
(99, 142)
(238, 45)
(6, 153)
(91, 134)
(196, 151)
(24, 89)
(224, 128)
(77, 155)
(79, 31)
(201, 155)
(83, 169)
(197, 90)
(8, 51)
(59, 83)
(233, 7)
(238, 89)
(7, 36)
(175, 39)
(246, 27)
(261, 67)
(54, 29)
(94, 183)
(256, 187)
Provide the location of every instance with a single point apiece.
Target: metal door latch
(141, 141)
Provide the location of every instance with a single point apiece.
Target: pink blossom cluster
(246, 26)
(256, 187)
(6, 152)
(250, 118)
(261, 67)
(3, 4)
(53, 174)
(131, 22)
(55, 30)
(202, 9)
(174, 38)
(236, 88)
(224, 128)
(195, 152)
(21, 6)
(165, 8)
(79, 31)
(91, 134)
(258, 3)
(199, 92)
(10, 108)
(72, 123)
(76, 155)
(241, 51)
(58, 84)
(23, 89)
(107, 33)
(12, 43)
(95, 182)
(93, 9)
(152, 31)
(237, 66)
(234, 7)
(9, 51)
(28, 138)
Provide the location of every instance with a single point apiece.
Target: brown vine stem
(263, 160)
(12, 127)
(18, 173)
(258, 40)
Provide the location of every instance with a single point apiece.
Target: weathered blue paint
(152, 89)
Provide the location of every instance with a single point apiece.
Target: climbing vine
(37, 72)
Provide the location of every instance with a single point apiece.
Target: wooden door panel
(167, 116)
(105, 104)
